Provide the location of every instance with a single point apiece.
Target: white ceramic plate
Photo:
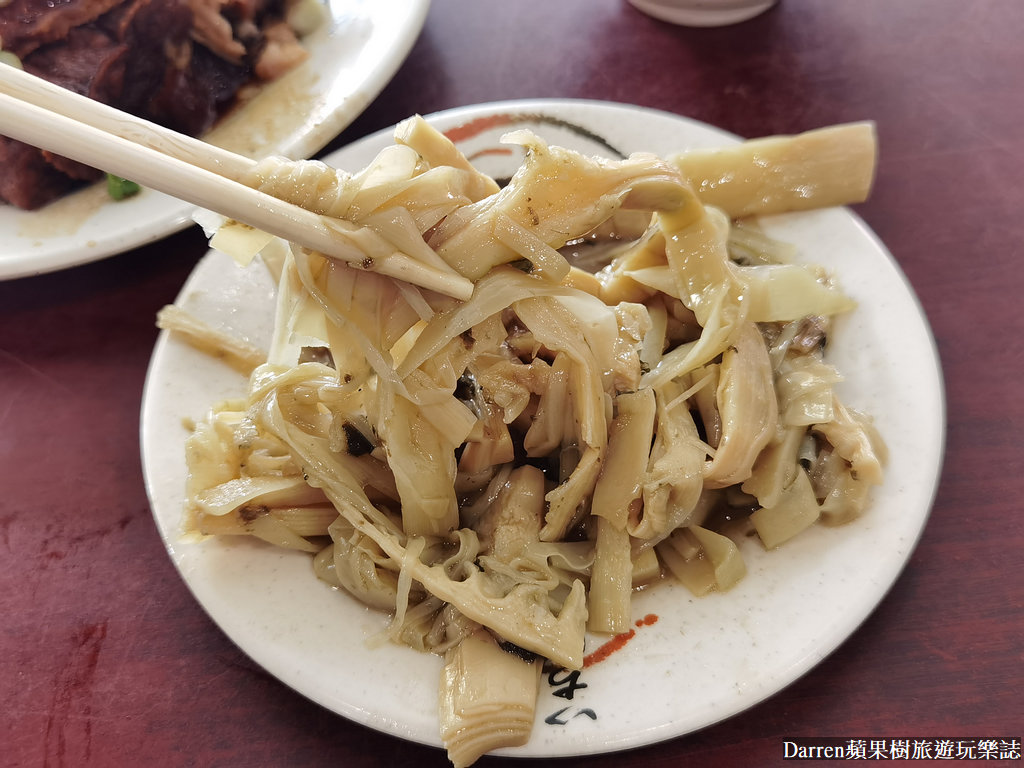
(352, 57)
(703, 659)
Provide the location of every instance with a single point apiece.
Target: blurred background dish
(353, 55)
(703, 13)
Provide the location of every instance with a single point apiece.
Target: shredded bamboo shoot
(499, 468)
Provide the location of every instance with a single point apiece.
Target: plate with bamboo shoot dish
(285, 79)
(631, 449)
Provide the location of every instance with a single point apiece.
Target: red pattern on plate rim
(480, 125)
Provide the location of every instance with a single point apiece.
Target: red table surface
(106, 659)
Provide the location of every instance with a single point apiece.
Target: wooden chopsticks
(39, 113)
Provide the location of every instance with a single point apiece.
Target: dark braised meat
(28, 180)
(28, 24)
(146, 57)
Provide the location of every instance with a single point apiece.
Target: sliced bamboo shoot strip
(778, 174)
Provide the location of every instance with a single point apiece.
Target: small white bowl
(703, 13)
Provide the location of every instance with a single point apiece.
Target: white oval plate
(352, 57)
(703, 659)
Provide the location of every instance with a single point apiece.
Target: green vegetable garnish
(119, 188)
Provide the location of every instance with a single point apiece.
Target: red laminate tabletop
(107, 660)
